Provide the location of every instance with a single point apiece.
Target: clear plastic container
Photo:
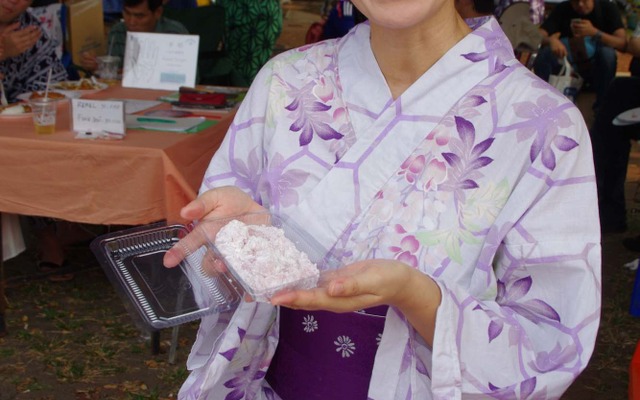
(205, 282)
(162, 297)
(302, 240)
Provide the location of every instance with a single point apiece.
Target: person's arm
(617, 40)
(553, 41)
(633, 44)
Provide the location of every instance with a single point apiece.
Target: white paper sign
(97, 116)
(160, 60)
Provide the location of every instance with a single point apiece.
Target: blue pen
(166, 121)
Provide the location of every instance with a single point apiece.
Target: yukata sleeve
(536, 334)
(238, 160)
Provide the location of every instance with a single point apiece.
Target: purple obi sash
(324, 355)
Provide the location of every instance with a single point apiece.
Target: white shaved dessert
(15, 109)
(265, 259)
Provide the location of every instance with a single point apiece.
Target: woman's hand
(17, 41)
(227, 201)
(370, 283)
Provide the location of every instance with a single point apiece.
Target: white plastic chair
(523, 34)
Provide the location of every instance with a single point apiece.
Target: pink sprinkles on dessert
(265, 259)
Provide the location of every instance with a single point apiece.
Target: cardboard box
(85, 28)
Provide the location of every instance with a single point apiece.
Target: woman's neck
(405, 55)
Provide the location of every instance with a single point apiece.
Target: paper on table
(628, 117)
(133, 106)
(162, 124)
(160, 60)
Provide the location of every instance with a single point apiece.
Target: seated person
(139, 16)
(339, 21)
(475, 12)
(253, 27)
(594, 25)
(611, 147)
(28, 54)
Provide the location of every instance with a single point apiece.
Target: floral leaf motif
(246, 177)
(543, 123)
(535, 310)
(269, 393)
(480, 162)
(548, 158)
(558, 356)
(505, 393)
(465, 159)
(527, 387)
(520, 288)
(310, 115)
(466, 130)
(452, 247)
(467, 184)
(564, 143)
(539, 307)
(475, 57)
(287, 184)
(476, 100)
(283, 185)
(495, 328)
(241, 381)
(229, 353)
(406, 357)
(451, 159)
(481, 147)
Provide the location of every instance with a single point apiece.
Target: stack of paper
(163, 124)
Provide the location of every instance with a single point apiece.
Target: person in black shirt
(611, 146)
(588, 32)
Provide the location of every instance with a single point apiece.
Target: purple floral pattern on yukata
(469, 202)
(546, 120)
(311, 116)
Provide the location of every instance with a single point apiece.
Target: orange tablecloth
(148, 176)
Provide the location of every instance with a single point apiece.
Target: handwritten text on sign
(98, 116)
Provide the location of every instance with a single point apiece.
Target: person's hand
(355, 287)
(17, 41)
(371, 283)
(558, 48)
(88, 60)
(583, 27)
(213, 204)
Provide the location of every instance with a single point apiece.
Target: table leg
(3, 298)
(155, 342)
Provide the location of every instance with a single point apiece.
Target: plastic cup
(44, 115)
(108, 67)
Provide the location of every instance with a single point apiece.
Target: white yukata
(480, 175)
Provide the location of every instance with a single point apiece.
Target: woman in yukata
(456, 188)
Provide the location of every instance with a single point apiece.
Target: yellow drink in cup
(45, 129)
(44, 115)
